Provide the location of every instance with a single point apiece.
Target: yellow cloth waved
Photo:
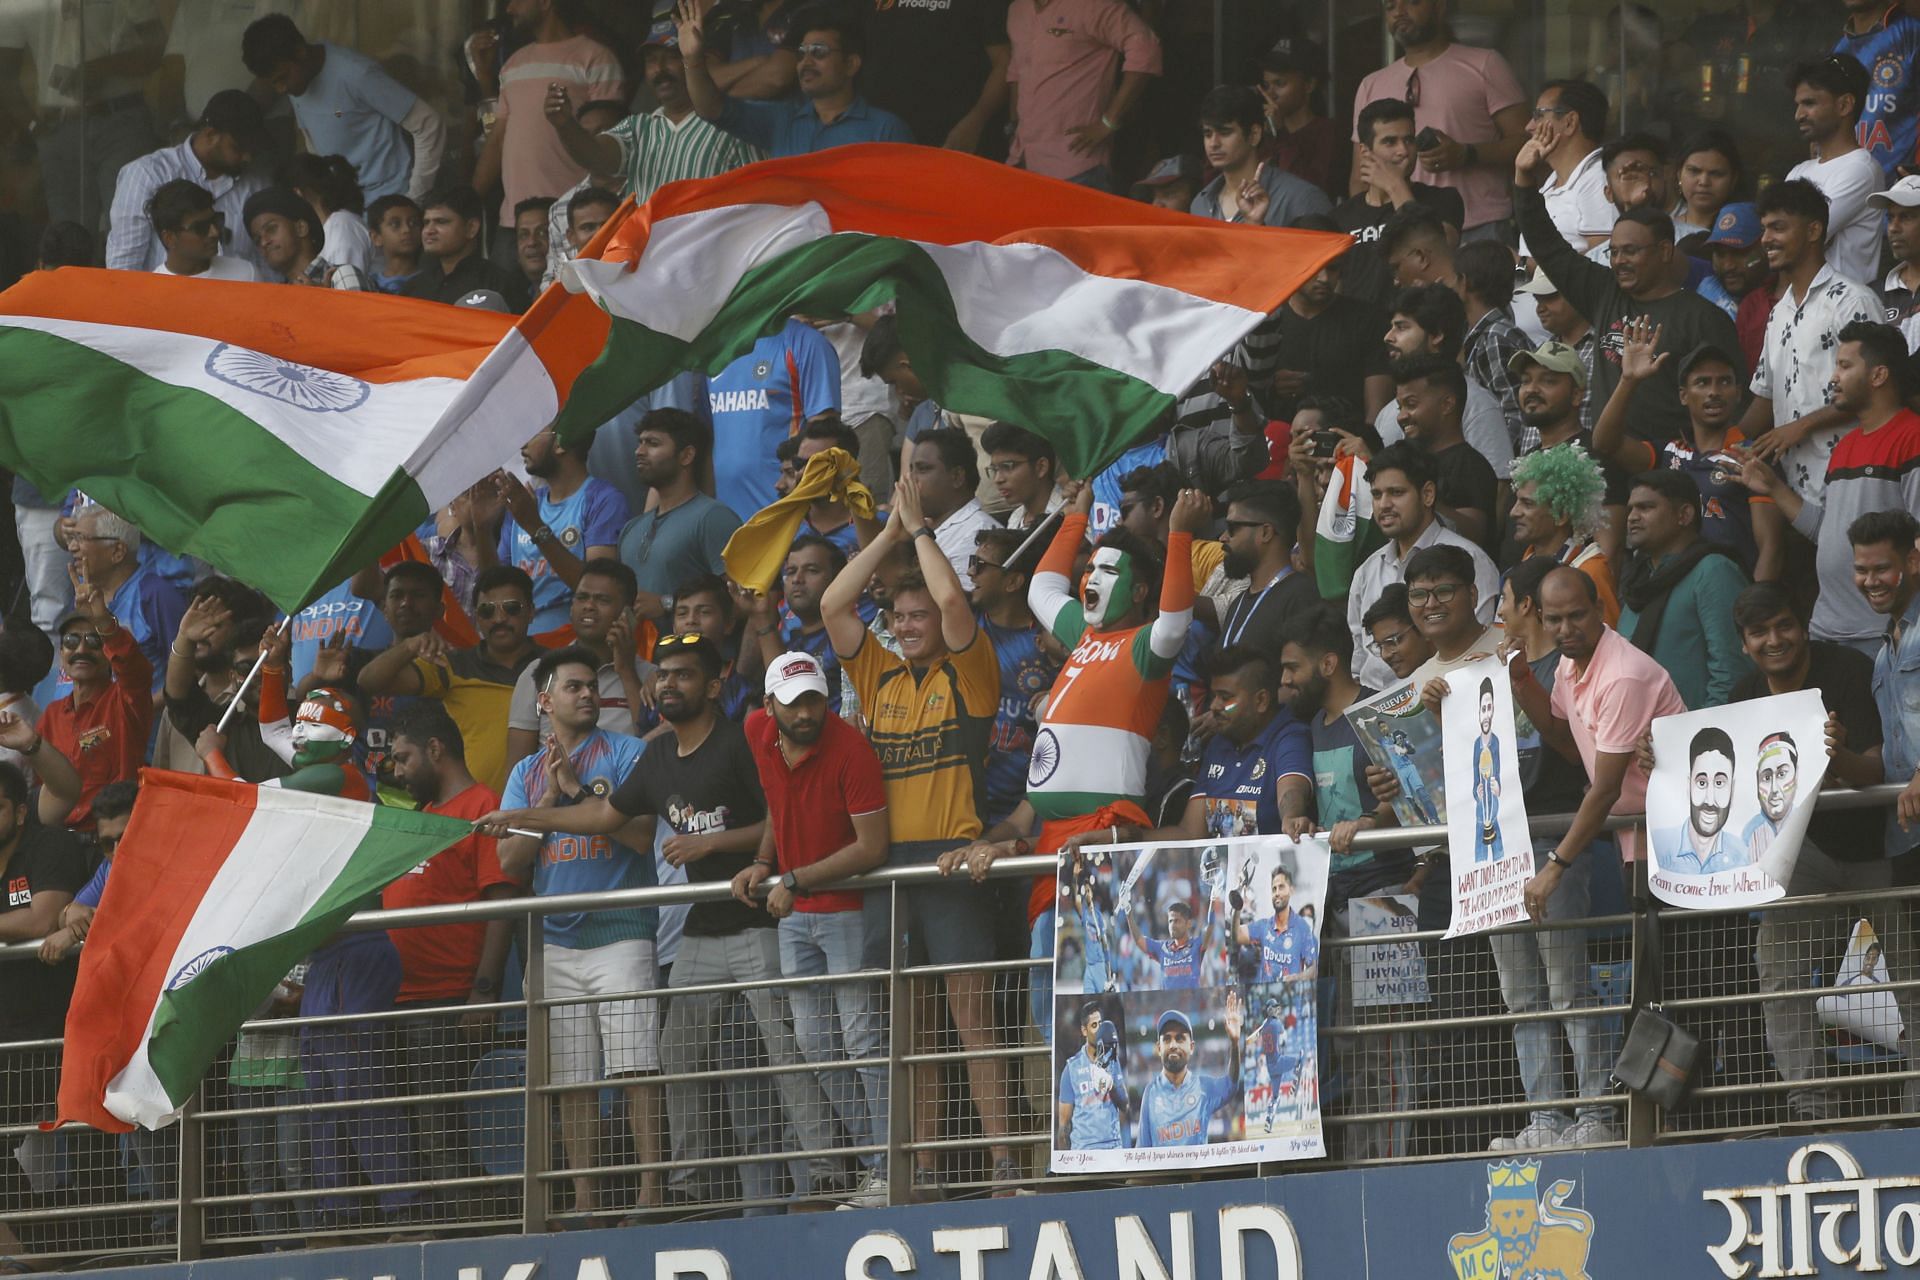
(757, 551)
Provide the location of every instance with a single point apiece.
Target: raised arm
(707, 97)
(1192, 510)
(958, 626)
(1640, 359)
(1050, 593)
(838, 601)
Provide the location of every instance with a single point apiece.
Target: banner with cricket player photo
(1729, 798)
(1860, 1003)
(1400, 735)
(1489, 851)
(1184, 1004)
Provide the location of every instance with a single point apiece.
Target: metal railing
(361, 1127)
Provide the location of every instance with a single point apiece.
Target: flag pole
(1046, 523)
(239, 695)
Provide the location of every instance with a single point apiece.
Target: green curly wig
(1567, 482)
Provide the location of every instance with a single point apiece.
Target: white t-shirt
(1579, 207)
(1484, 425)
(1854, 226)
(224, 267)
(347, 243)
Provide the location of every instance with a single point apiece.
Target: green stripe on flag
(1087, 411)
(197, 1018)
(196, 475)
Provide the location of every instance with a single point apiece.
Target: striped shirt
(930, 730)
(654, 151)
(532, 161)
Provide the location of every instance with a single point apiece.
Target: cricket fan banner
(1489, 851)
(1729, 798)
(1184, 1009)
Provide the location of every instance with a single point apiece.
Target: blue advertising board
(1834, 1206)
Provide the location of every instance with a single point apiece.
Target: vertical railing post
(189, 1225)
(536, 1133)
(899, 1045)
(1642, 1114)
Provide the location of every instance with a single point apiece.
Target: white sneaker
(1537, 1135)
(870, 1194)
(1589, 1131)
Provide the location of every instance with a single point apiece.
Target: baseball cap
(792, 674)
(663, 34)
(1172, 169)
(1557, 356)
(1538, 285)
(1175, 1017)
(483, 300)
(1905, 193)
(1704, 352)
(1739, 225)
(235, 113)
(1295, 54)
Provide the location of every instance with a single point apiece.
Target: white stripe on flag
(294, 846)
(360, 441)
(508, 400)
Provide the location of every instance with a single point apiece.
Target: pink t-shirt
(532, 161)
(1609, 707)
(1064, 59)
(1458, 92)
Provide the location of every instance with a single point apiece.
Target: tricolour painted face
(1109, 588)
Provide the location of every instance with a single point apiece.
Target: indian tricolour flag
(287, 436)
(1078, 315)
(219, 888)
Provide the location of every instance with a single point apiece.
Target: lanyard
(1232, 636)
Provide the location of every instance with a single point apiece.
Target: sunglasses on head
(72, 641)
(678, 639)
(508, 608)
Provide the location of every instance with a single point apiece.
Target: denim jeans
(694, 1041)
(837, 1021)
(273, 1157)
(1547, 969)
(1042, 980)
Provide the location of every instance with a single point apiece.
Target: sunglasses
(509, 608)
(201, 227)
(975, 564)
(1438, 595)
(815, 51)
(73, 640)
(1235, 526)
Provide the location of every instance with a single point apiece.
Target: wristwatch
(791, 883)
(1553, 856)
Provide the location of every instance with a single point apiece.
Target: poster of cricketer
(1729, 798)
(1489, 853)
(1401, 736)
(1184, 1026)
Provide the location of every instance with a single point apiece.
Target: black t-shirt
(926, 61)
(1338, 350)
(1257, 619)
(47, 860)
(717, 788)
(250, 757)
(1467, 482)
(1364, 271)
(1844, 678)
(1551, 782)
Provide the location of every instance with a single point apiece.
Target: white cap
(792, 674)
(1537, 284)
(1905, 193)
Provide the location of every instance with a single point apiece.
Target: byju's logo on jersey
(1527, 1234)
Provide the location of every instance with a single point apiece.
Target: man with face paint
(1776, 777)
(1702, 845)
(1178, 1104)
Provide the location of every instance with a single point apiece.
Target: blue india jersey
(1177, 1115)
(1097, 1096)
(1284, 952)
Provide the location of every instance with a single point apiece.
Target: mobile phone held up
(1427, 139)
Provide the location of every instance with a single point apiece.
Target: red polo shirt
(812, 805)
(105, 737)
(438, 962)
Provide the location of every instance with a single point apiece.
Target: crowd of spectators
(1626, 422)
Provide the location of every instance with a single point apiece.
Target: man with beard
(1678, 589)
(1430, 320)
(450, 965)
(1734, 513)
(213, 651)
(1829, 95)
(811, 566)
(556, 70)
(602, 618)
(682, 534)
(1468, 492)
(1262, 525)
(551, 533)
(1638, 281)
(1742, 284)
(1289, 951)
(1178, 1105)
(1703, 845)
(826, 820)
(593, 955)
(1093, 1101)
(1900, 291)
(1776, 773)
(1875, 466)
(668, 144)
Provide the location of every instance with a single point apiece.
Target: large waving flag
(218, 890)
(286, 436)
(1078, 315)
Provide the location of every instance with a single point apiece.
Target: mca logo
(1527, 1237)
